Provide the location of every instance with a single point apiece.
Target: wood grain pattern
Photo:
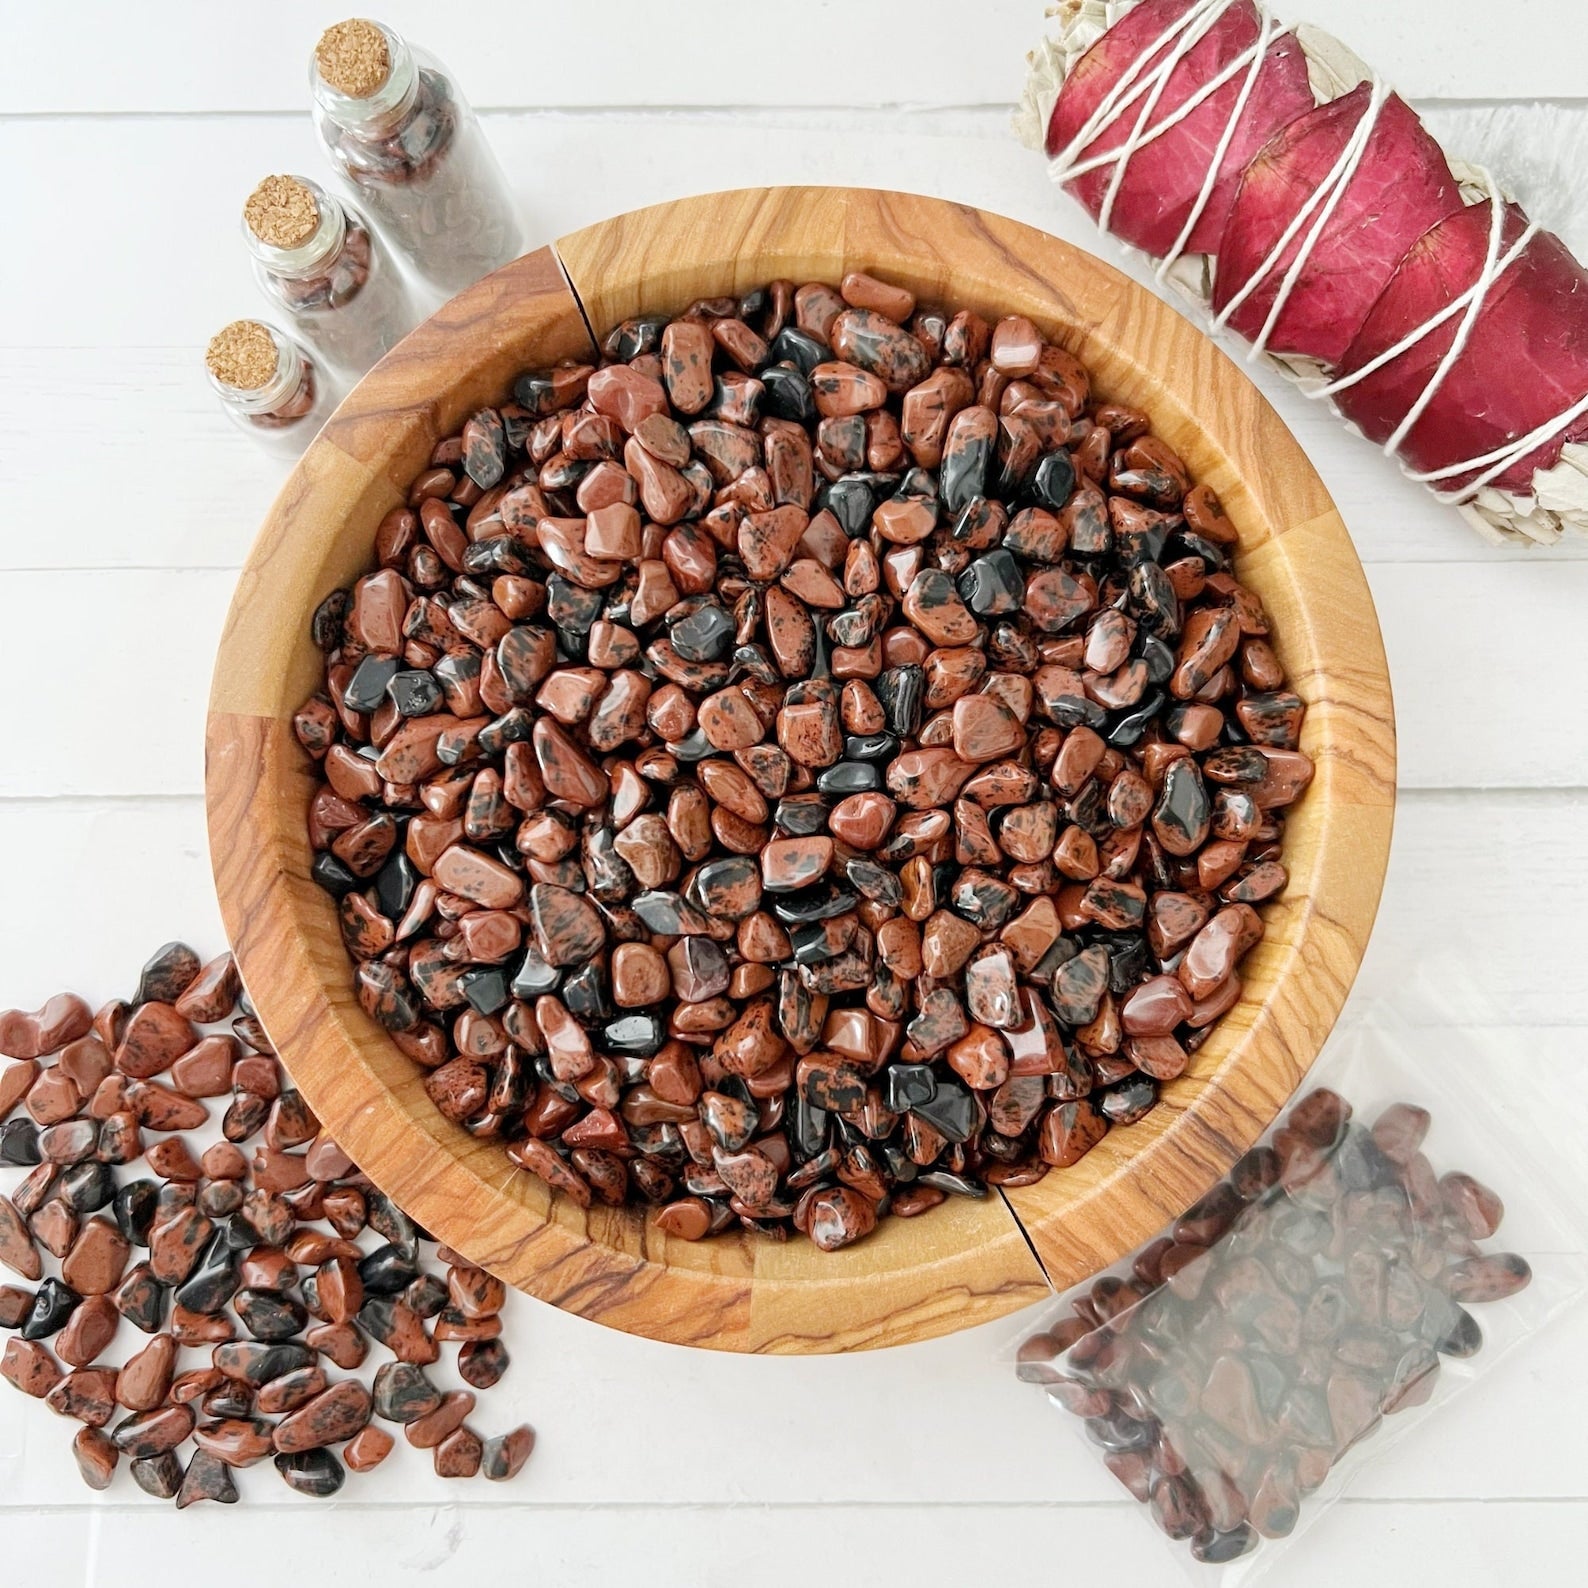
(969, 1261)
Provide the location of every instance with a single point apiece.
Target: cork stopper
(282, 212)
(352, 57)
(242, 355)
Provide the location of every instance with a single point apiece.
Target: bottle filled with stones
(395, 126)
(317, 260)
(269, 385)
(818, 761)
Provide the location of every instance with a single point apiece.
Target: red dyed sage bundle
(1286, 189)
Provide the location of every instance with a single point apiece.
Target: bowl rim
(967, 1262)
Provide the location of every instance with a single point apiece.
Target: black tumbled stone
(809, 1127)
(870, 747)
(1128, 729)
(134, 1209)
(269, 1315)
(801, 815)
(426, 1296)
(586, 994)
(534, 976)
(394, 885)
(993, 584)
(851, 502)
(1054, 482)
(951, 1110)
(901, 692)
(325, 627)
(1153, 601)
(1183, 806)
(1213, 556)
(811, 946)
(19, 1142)
(719, 881)
(694, 746)
(414, 692)
(627, 340)
(906, 1086)
(207, 1478)
(1158, 657)
(1216, 1549)
(486, 989)
(87, 1187)
(366, 689)
(955, 1184)
(788, 395)
(332, 875)
(458, 667)
(53, 1303)
(662, 911)
(312, 1472)
(213, 1281)
(387, 1219)
(512, 727)
(964, 469)
(257, 1362)
(799, 348)
(819, 902)
(1144, 543)
(387, 1270)
(1129, 961)
(849, 777)
(703, 636)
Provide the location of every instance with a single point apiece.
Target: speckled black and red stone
(817, 762)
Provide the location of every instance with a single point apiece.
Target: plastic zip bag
(1391, 1238)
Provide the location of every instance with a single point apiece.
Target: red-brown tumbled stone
(337, 1414)
(639, 976)
(567, 929)
(566, 770)
(98, 1257)
(791, 863)
(155, 1037)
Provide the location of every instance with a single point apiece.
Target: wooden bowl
(965, 1262)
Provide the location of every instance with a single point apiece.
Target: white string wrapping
(1139, 84)
(1327, 194)
(1258, 52)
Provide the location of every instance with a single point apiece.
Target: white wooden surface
(129, 135)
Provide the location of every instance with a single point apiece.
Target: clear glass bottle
(395, 126)
(269, 385)
(318, 260)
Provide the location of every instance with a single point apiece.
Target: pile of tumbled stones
(818, 761)
(1307, 1297)
(245, 1262)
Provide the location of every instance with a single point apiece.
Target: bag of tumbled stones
(1388, 1240)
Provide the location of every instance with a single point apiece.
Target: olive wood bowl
(965, 1262)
